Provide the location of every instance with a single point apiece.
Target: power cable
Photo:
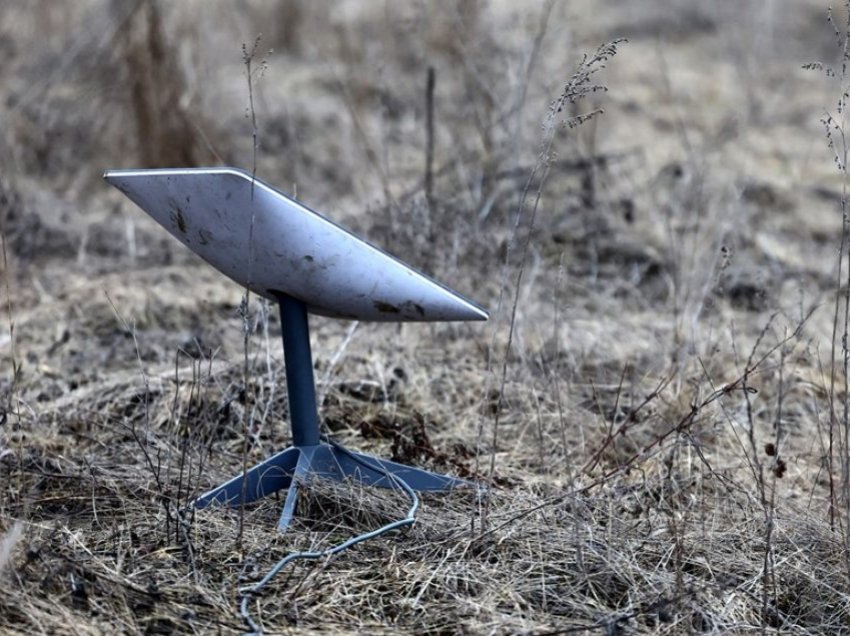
(254, 590)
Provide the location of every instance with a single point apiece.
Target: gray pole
(300, 385)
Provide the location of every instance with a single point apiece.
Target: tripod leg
(301, 474)
(372, 471)
(262, 480)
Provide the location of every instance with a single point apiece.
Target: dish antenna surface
(306, 263)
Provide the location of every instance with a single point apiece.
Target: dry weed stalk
(578, 86)
(10, 404)
(835, 128)
(429, 139)
(248, 56)
(142, 441)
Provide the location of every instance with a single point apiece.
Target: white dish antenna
(290, 249)
(280, 249)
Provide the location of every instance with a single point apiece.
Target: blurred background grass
(698, 218)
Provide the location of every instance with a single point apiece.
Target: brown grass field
(659, 405)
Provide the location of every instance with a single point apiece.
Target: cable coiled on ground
(255, 589)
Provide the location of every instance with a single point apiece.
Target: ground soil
(656, 408)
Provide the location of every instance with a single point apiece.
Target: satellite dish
(280, 249)
(289, 250)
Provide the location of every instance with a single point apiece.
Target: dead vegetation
(655, 402)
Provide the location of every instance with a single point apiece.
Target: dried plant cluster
(659, 405)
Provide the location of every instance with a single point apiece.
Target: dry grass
(662, 460)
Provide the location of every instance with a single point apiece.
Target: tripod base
(299, 463)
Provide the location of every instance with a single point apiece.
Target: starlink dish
(274, 245)
(280, 249)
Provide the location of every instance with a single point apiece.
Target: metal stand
(309, 456)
